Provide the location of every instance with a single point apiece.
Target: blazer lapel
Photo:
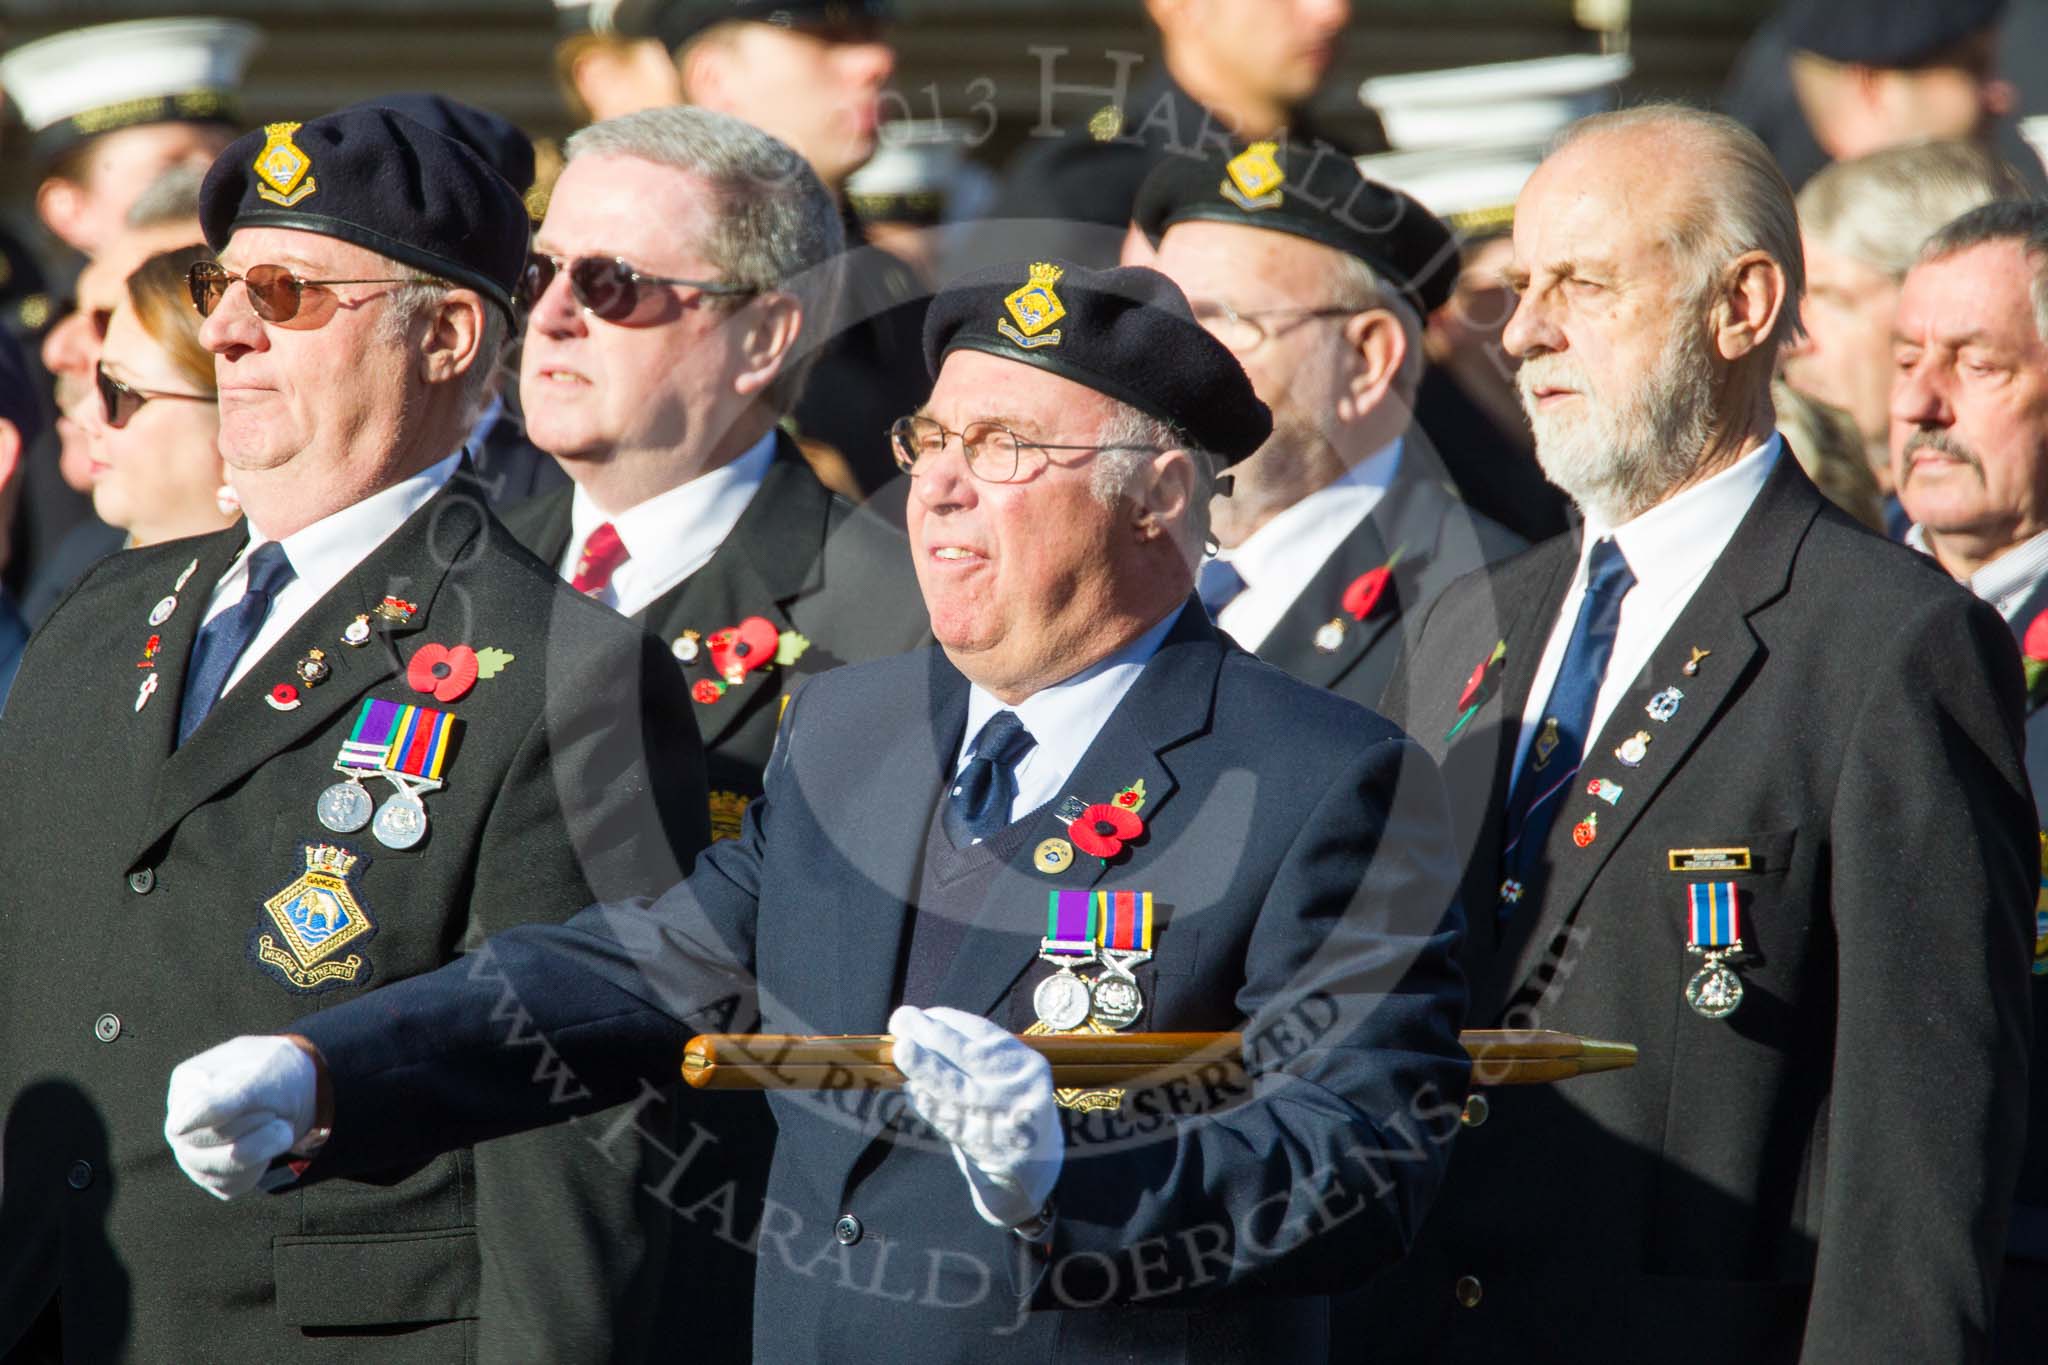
(1293, 643)
(881, 819)
(768, 561)
(244, 730)
(1527, 616)
(1751, 572)
(157, 720)
(1170, 701)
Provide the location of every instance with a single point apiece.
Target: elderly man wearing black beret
(1341, 529)
(282, 767)
(1084, 812)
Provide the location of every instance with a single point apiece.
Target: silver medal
(401, 821)
(1715, 991)
(1062, 1001)
(344, 807)
(1118, 1002)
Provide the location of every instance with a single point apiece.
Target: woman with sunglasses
(156, 465)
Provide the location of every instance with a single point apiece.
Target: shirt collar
(2007, 581)
(1679, 539)
(688, 521)
(1065, 718)
(1291, 546)
(323, 554)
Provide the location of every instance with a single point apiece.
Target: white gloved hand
(991, 1097)
(235, 1108)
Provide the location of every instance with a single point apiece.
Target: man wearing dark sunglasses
(304, 758)
(669, 303)
(811, 74)
(1341, 530)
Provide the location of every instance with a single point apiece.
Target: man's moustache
(1931, 438)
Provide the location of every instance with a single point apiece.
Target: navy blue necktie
(222, 640)
(1217, 584)
(979, 804)
(1560, 744)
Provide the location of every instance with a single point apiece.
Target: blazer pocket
(373, 1279)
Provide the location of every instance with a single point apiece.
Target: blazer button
(847, 1230)
(1468, 1290)
(107, 1027)
(79, 1176)
(1477, 1111)
(142, 882)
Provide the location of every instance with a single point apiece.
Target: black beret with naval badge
(1312, 192)
(376, 178)
(1126, 332)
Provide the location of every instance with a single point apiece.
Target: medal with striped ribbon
(1714, 990)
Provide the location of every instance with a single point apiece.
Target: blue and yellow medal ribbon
(1126, 920)
(1715, 923)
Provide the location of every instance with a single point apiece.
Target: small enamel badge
(1610, 792)
(1584, 832)
(728, 809)
(357, 633)
(395, 609)
(185, 577)
(1664, 705)
(1330, 636)
(1632, 751)
(1510, 892)
(1053, 856)
(686, 647)
(314, 668)
(161, 612)
(149, 649)
(1545, 744)
(146, 691)
(283, 697)
(1692, 665)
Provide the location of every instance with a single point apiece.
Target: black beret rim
(1441, 281)
(403, 252)
(1045, 359)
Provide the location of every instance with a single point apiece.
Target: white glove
(235, 1108)
(991, 1097)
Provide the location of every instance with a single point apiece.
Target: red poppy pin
(1474, 695)
(736, 651)
(2034, 652)
(1366, 590)
(1102, 830)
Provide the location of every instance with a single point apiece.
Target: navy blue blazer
(1297, 849)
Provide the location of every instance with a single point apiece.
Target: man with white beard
(1743, 787)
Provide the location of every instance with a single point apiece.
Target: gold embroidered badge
(1035, 307)
(1255, 178)
(282, 167)
(317, 915)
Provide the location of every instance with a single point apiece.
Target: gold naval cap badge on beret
(282, 167)
(1035, 307)
(1255, 178)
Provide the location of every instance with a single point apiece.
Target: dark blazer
(1823, 1174)
(2023, 1297)
(133, 886)
(510, 467)
(1295, 845)
(1440, 540)
(802, 557)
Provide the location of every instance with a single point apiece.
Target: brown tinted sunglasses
(609, 287)
(274, 292)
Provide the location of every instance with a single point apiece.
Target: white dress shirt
(322, 555)
(1670, 550)
(1277, 560)
(1064, 719)
(2007, 581)
(671, 535)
